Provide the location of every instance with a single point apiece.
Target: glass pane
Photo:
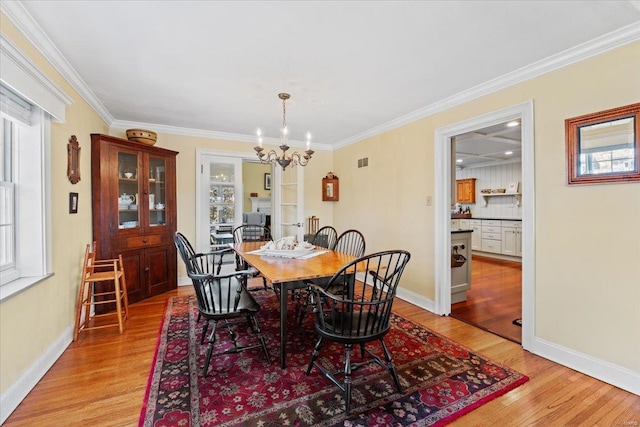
(157, 192)
(607, 147)
(128, 191)
(222, 197)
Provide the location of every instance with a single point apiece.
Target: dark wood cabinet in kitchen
(134, 212)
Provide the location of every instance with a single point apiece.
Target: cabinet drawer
(492, 236)
(491, 222)
(475, 222)
(486, 229)
(514, 224)
(142, 241)
(489, 245)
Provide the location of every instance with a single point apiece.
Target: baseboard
(416, 299)
(615, 375)
(12, 397)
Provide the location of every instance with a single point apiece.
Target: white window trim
(24, 77)
(35, 145)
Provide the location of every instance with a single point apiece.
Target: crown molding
(18, 15)
(24, 22)
(594, 47)
(175, 130)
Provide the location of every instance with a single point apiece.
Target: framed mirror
(604, 147)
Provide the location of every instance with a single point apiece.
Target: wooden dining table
(289, 273)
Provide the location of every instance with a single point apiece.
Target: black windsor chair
(359, 314)
(221, 298)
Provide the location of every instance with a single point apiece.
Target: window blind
(14, 106)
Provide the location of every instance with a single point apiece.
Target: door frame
(442, 204)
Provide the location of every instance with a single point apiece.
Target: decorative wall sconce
(73, 160)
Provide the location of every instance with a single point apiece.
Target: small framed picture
(267, 181)
(73, 203)
(513, 188)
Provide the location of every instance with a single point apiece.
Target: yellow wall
(253, 182)
(587, 288)
(33, 320)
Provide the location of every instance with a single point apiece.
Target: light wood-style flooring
(101, 379)
(495, 298)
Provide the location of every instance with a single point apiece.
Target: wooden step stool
(94, 271)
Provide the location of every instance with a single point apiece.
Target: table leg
(284, 292)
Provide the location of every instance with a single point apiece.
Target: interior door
(289, 199)
(220, 198)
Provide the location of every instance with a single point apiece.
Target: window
(7, 196)
(24, 192)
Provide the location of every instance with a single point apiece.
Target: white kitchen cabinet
(455, 224)
(491, 236)
(476, 236)
(512, 238)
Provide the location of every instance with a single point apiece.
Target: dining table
(288, 271)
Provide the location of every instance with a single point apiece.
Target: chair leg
(116, 285)
(123, 288)
(314, 355)
(76, 327)
(390, 366)
(204, 330)
(347, 378)
(212, 340)
(256, 328)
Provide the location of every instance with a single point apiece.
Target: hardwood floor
(495, 298)
(101, 379)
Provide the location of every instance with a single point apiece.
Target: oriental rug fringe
(441, 379)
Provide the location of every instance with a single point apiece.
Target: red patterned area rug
(442, 380)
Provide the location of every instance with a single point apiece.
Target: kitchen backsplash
(493, 177)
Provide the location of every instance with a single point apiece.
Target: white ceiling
(497, 144)
(352, 68)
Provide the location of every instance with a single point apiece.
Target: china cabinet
(134, 212)
(466, 190)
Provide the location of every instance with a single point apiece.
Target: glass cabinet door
(128, 203)
(157, 192)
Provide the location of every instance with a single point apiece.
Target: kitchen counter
(462, 230)
(497, 219)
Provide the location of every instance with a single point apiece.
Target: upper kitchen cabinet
(466, 190)
(134, 212)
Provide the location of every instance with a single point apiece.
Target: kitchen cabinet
(476, 236)
(511, 238)
(134, 212)
(491, 236)
(466, 190)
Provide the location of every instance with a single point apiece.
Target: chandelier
(284, 159)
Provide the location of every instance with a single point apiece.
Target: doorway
(488, 161)
(444, 177)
